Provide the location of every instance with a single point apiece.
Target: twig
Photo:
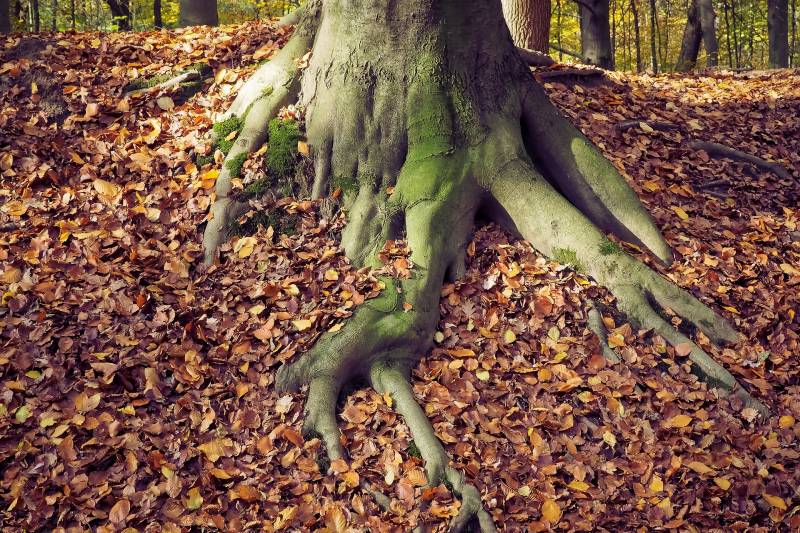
(720, 150)
(190, 75)
(634, 123)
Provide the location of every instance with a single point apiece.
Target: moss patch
(281, 222)
(186, 89)
(282, 152)
(413, 451)
(349, 185)
(566, 256)
(609, 248)
(235, 164)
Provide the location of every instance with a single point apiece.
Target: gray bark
(596, 33)
(198, 13)
(778, 30)
(529, 22)
(700, 27)
(5, 17)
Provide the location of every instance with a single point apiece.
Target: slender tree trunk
(728, 33)
(778, 30)
(35, 20)
(653, 36)
(157, 22)
(5, 16)
(637, 35)
(198, 13)
(72, 14)
(596, 33)
(700, 27)
(558, 30)
(54, 7)
(529, 22)
(121, 12)
(793, 51)
(736, 45)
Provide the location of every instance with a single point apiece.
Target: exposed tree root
(718, 150)
(534, 58)
(636, 123)
(595, 322)
(418, 146)
(191, 75)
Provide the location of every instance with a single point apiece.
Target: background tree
(778, 30)
(199, 13)
(468, 132)
(596, 46)
(700, 27)
(529, 22)
(157, 22)
(5, 16)
(120, 13)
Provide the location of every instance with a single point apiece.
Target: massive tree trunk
(700, 27)
(778, 29)
(529, 22)
(198, 13)
(596, 33)
(5, 16)
(423, 114)
(121, 13)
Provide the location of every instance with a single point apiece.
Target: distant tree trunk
(736, 47)
(157, 22)
(596, 33)
(199, 13)
(121, 12)
(653, 36)
(35, 20)
(637, 35)
(54, 24)
(699, 27)
(72, 13)
(5, 16)
(778, 30)
(529, 22)
(794, 34)
(728, 33)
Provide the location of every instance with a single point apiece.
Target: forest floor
(136, 391)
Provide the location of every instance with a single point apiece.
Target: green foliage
(348, 184)
(223, 129)
(257, 188)
(413, 451)
(282, 152)
(281, 222)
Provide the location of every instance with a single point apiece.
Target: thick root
(557, 229)
(393, 380)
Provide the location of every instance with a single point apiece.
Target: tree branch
(717, 150)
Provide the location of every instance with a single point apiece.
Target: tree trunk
(728, 33)
(121, 14)
(5, 16)
(529, 22)
(700, 27)
(793, 49)
(637, 35)
(72, 14)
(198, 13)
(778, 30)
(596, 33)
(467, 131)
(654, 36)
(35, 20)
(54, 9)
(157, 22)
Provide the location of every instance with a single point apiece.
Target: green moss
(203, 160)
(188, 88)
(281, 222)
(225, 127)
(234, 165)
(566, 256)
(413, 451)
(609, 247)
(282, 152)
(267, 91)
(147, 82)
(257, 188)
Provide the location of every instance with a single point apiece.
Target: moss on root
(282, 152)
(223, 130)
(281, 222)
(609, 248)
(235, 164)
(413, 451)
(567, 256)
(186, 89)
(347, 184)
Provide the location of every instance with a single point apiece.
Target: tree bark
(5, 16)
(654, 36)
(637, 35)
(700, 27)
(778, 30)
(198, 13)
(121, 14)
(157, 22)
(529, 22)
(596, 33)
(35, 20)
(54, 9)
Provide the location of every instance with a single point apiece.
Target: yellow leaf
(694, 124)
(331, 275)
(646, 127)
(15, 208)
(656, 484)
(579, 485)
(120, 511)
(194, 499)
(22, 414)
(680, 212)
(722, 483)
(551, 511)
(679, 421)
(105, 188)
(244, 246)
(167, 472)
(301, 325)
(665, 505)
(699, 467)
(524, 490)
(610, 439)
(786, 421)
(482, 375)
(216, 448)
(616, 339)
(775, 501)
(302, 148)
(509, 336)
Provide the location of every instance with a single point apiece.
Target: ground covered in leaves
(136, 391)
